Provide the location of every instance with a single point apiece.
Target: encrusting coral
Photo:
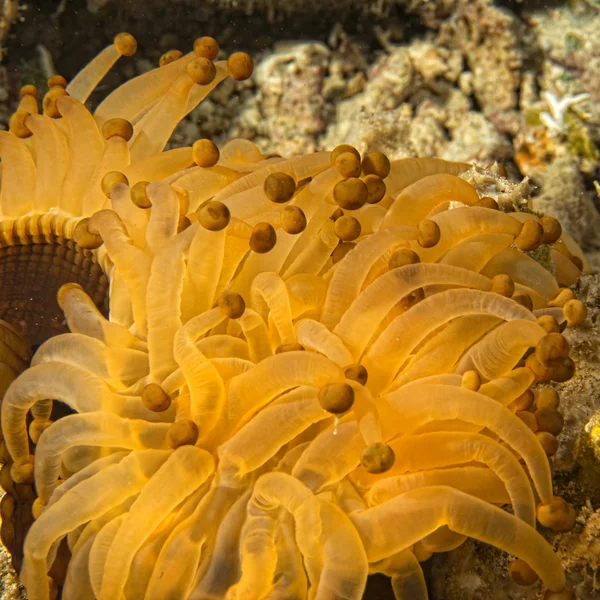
(314, 368)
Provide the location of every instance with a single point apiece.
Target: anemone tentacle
(296, 353)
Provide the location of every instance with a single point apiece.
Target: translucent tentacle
(18, 176)
(385, 356)
(348, 278)
(51, 162)
(92, 429)
(70, 511)
(133, 263)
(269, 296)
(380, 297)
(84, 83)
(185, 470)
(314, 335)
(501, 349)
(454, 448)
(252, 446)
(424, 510)
(419, 403)
(188, 545)
(85, 151)
(207, 390)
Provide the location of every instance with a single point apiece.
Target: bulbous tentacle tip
(376, 163)
(347, 228)
(279, 187)
(377, 458)
(548, 323)
(336, 398)
(402, 258)
(22, 471)
(205, 153)
(155, 398)
(50, 103)
(528, 419)
(293, 220)
(201, 71)
(561, 298)
(84, 237)
(110, 179)
(376, 188)
(184, 432)
(139, 195)
(575, 312)
(36, 428)
(523, 299)
(263, 238)
(521, 573)
(57, 80)
(125, 44)
(560, 371)
(547, 398)
(341, 251)
(563, 371)
(183, 223)
(240, 66)
(214, 215)
(117, 128)
(523, 402)
(29, 90)
(170, 56)
(357, 373)
(66, 289)
(428, 233)
(487, 202)
(342, 149)
(18, 124)
(558, 515)
(552, 348)
(552, 230)
(549, 420)
(206, 47)
(351, 193)
(503, 285)
(530, 237)
(471, 380)
(548, 442)
(231, 304)
(37, 508)
(348, 164)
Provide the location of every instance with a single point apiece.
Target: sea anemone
(314, 368)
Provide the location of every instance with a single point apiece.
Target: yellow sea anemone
(313, 369)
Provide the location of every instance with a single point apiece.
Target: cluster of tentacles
(313, 369)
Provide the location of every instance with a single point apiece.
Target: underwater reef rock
(491, 40)
(563, 195)
(9, 11)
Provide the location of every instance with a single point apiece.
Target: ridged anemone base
(15, 499)
(30, 277)
(36, 259)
